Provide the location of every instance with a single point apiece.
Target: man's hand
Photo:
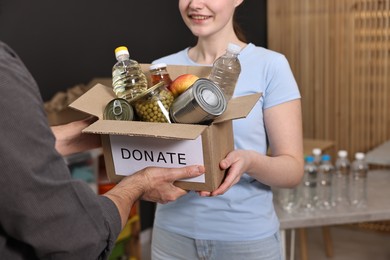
(69, 138)
(159, 185)
(151, 184)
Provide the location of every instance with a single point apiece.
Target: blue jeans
(171, 246)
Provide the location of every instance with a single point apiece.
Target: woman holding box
(237, 220)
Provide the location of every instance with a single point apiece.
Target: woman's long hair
(238, 30)
(236, 25)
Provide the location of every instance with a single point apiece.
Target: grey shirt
(44, 214)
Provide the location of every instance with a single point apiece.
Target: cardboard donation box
(130, 146)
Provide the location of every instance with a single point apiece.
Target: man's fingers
(89, 120)
(187, 172)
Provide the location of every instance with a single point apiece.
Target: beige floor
(348, 244)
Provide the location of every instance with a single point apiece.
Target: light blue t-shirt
(245, 211)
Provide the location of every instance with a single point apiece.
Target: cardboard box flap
(147, 129)
(238, 107)
(94, 101)
(104, 81)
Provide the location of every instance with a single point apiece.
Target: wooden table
(378, 208)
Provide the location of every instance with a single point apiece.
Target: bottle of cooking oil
(128, 80)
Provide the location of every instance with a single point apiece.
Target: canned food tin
(118, 109)
(200, 103)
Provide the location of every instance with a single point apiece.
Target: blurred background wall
(339, 51)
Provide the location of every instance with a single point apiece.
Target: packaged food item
(118, 109)
(153, 104)
(159, 72)
(199, 104)
(128, 79)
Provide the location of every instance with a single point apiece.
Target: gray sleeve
(40, 205)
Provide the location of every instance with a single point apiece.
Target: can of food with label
(200, 103)
(118, 109)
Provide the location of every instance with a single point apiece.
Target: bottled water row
(328, 186)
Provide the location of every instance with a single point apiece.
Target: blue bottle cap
(309, 158)
(325, 157)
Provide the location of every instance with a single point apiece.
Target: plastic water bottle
(226, 70)
(359, 181)
(317, 153)
(342, 179)
(308, 188)
(128, 80)
(325, 178)
(288, 199)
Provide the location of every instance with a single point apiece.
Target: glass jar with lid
(153, 104)
(159, 72)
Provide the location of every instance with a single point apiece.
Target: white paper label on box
(133, 153)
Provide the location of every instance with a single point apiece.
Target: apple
(182, 83)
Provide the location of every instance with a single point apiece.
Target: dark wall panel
(65, 43)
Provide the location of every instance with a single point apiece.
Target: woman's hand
(235, 164)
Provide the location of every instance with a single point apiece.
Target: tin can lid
(118, 109)
(209, 97)
(146, 92)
